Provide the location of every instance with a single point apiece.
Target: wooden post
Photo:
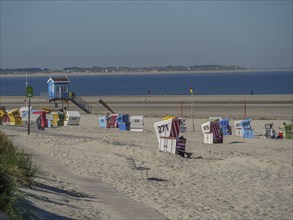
(191, 96)
(29, 116)
(244, 108)
(181, 108)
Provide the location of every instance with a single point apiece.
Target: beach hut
(72, 118)
(102, 121)
(58, 88)
(167, 132)
(123, 122)
(136, 123)
(212, 132)
(224, 125)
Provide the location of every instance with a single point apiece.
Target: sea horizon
(207, 83)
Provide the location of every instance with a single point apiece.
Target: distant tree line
(169, 68)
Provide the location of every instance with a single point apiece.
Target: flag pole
(192, 113)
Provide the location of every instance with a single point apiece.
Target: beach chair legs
(133, 167)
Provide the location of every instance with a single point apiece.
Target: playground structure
(58, 90)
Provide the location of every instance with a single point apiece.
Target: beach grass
(16, 169)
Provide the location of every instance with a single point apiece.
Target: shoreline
(10, 75)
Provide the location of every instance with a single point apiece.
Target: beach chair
(136, 123)
(180, 148)
(267, 129)
(167, 132)
(287, 131)
(224, 125)
(212, 132)
(55, 118)
(132, 165)
(247, 131)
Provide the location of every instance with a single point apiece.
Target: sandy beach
(85, 168)
(204, 106)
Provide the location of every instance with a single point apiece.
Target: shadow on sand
(48, 196)
(156, 179)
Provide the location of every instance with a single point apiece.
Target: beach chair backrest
(131, 163)
(163, 128)
(175, 128)
(245, 123)
(215, 129)
(205, 127)
(136, 123)
(267, 128)
(224, 125)
(55, 118)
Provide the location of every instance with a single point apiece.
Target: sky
(58, 34)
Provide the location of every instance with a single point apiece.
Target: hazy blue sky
(58, 34)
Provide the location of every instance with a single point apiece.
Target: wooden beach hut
(58, 88)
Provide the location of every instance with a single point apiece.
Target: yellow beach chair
(55, 118)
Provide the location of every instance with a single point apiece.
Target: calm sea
(279, 82)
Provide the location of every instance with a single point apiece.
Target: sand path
(111, 203)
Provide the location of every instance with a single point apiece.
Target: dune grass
(16, 169)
